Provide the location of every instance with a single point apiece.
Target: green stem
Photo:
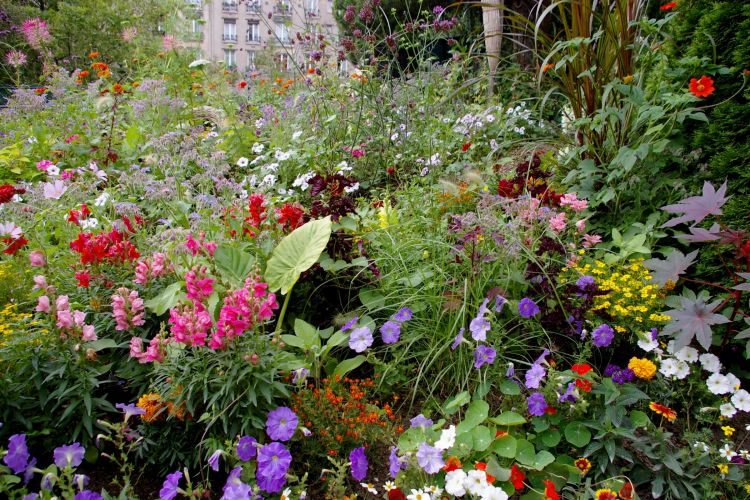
(282, 314)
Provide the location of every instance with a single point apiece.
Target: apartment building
(262, 34)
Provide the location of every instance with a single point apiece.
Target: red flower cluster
(290, 216)
(702, 87)
(529, 178)
(75, 216)
(517, 477)
(13, 245)
(109, 247)
(668, 6)
(582, 383)
(7, 192)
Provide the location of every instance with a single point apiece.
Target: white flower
(301, 181)
(687, 354)
(745, 454)
(647, 344)
(701, 446)
(668, 367)
(53, 170)
(54, 190)
(243, 162)
(727, 410)
(17, 199)
(734, 382)
(252, 181)
(352, 188)
(447, 438)
(394, 137)
(258, 148)
(286, 495)
(520, 130)
(389, 485)
(424, 171)
(727, 452)
(433, 490)
(490, 118)
(213, 133)
(9, 229)
(102, 199)
(493, 493)
(31, 140)
(258, 159)
(454, 482)
(476, 481)
(296, 135)
(418, 495)
(282, 155)
(682, 370)
(434, 159)
(89, 223)
(259, 123)
(272, 167)
(198, 63)
(369, 486)
(718, 384)
(493, 144)
(268, 181)
(343, 166)
(710, 362)
(741, 400)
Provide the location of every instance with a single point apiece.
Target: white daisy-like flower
(718, 384)
(727, 452)
(455, 483)
(369, 487)
(745, 454)
(710, 362)
(258, 159)
(687, 354)
(741, 400)
(727, 410)
(433, 490)
(447, 438)
(302, 181)
(700, 445)
(32, 140)
(258, 148)
(389, 485)
(282, 155)
(418, 495)
(296, 135)
(352, 188)
(243, 162)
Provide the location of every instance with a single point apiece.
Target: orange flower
(499, 434)
(668, 6)
(547, 67)
(117, 88)
(584, 385)
(702, 87)
(605, 494)
(664, 411)
(151, 403)
(99, 66)
(626, 492)
(93, 55)
(583, 464)
(453, 463)
(483, 467)
(550, 493)
(83, 74)
(41, 90)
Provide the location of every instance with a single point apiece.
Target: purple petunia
(484, 355)
(169, 488)
(87, 495)
(479, 328)
(395, 463)
(300, 375)
(611, 370)
(246, 448)
(569, 395)
(360, 339)
(281, 423)
(130, 410)
(534, 375)
(234, 488)
(17, 457)
(69, 456)
(602, 336)
(213, 460)
(430, 458)
(537, 404)
(420, 421)
(358, 461)
(350, 324)
(527, 308)
(390, 331)
(273, 463)
(403, 314)
(459, 338)
(500, 301)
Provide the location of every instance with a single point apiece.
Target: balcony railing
(312, 12)
(253, 8)
(252, 38)
(228, 37)
(229, 6)
(282, 10)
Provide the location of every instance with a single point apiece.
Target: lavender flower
(234, 488)
(17, 457)
(584, 283)
(395, 464)
(527, 308)
(534, 375)
(359, 464)
(87, 495)
(130, 410)
(403, 314)
(569, 395)
(69, 456)
(213, 460)
(281, 423)
(479, 328)
(537, 404)
(420, 421)
(602, 336)
(169, 488)
(500, 301)
(459, 338)
(273, 462)
(360, 339)
(390, 331)
(430, 458)
(300, 375)
(484, 355)
(350, 324)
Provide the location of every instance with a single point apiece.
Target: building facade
(250, 35)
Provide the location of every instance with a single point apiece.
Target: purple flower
(235, 489)
(511, 371)
(602, 336)
(395, 464)
(459, 338)
(359, 463)
(349, 324)
(437, 10)
(569, 395)
(213, 460)
(420, 421)
(81, 480)
(499, 303)
(246, 448)
(46, 483)
(484, 355)
(300, 375)
(130, 409)
(169, 489)
(537, 404)
(360, 339)
(403, 314)
(273, 463)
(30, 496)
(69, 456)
(17, 457)
(479, 328)
(623, 376)
(527, 308)
(430, 458)
(390, 332)
(654, 333)
(87, 495)
(584, 283)
(611, 370)
(534, 375)
(281, 424)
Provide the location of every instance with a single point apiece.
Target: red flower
(453, 463)
(664, 411)
(584, 385)
(668, 6)
(582, 369)
(390, 170)
(550, 410)
(549, 490)
(466, 147)
(396, 494)
(626, 492)
(516, 477)
(14, 245)
(7, 191)
(242, 84)
(507, 188)
(702, 87)
(84, 278)
(483, 467)
(290, 216)
(256, 206)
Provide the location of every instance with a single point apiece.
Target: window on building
(250, 60)
(196, 26)
(253, 6)
(229, 58)
(282, 33)
(284, 62)
(311, 7)
(229, 5)
(230, 30)
(344, 67)
(253, 31)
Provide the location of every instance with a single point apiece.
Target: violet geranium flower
(359, 463)
(17, 457)
(403, 314)
(360, 339)
(420, 421)
(527, 308)
(479, 327)
(390, 332)
(484, 355)
(395, 463)
(281, 423)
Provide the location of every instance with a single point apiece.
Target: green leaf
(505, 446)
(543, 459)
(476, 413)
(409, 440)
(464, 444)
(371, 299)
(550, 438)
(508, 418)
(348, 365)
(166, 300)
(307, 332)
(525, 453)
(452, 405)
(98, 345)
(577, 434)
(509, 388)
(482, 438)
(233, 262)
(296, 253)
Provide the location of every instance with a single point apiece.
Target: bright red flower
(84, 278)
(664, 411)
(290, 216)
(550, 410)
(483, 467)
(507, 188)
(581, 369)
(626, 492)
(14, 245)
(499, 434)
(242, 84)
(453, 463)
(550, 493)
(8, 191)
(466, 147)
(257, 207)
(702, 87)
(396, 494)
(668, 6)
(584, 385)
(516, 477)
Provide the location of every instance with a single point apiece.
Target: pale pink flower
(581, 225)
(79, 317)
(54, 190)
(43, 305)
(590, 241)
(71, 138)
(557, 222)
(10, 230)
(87, 333)
(40, 283)
(159, 267)
(136, 347)
(571, 200)
(43, 165)
(129, 34)
(141, 272)
(127, 309)
(15, 58)
(169, 42)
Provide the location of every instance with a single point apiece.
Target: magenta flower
(246, 448)
(430, 458)
(281, 423)
(169, 488)
(15, 58)
(484, 355)
(527, 308)
(69, 455)
(359, 464)
(87, 495)
(390, 332)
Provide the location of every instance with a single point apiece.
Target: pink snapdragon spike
(572, 201)
(199, 286)
(155, 351)
(242, 310)
(590, 241)
(148, 268)
(190, 324)
(70, 322)
(127, 309)
(43, 305)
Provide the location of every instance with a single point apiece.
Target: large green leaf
(166, 300)
(476, 413)
(233, 262)
(577, 434)
(508, 418)
(505, 446)
(296, 253)
(348, 365)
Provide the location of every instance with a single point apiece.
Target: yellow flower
(723, 468)
(728, 430)
(643, 368)
(747, 488)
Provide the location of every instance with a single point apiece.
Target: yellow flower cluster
(12, 323)
(632, 300)
(643, 368)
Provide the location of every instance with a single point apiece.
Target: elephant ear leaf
(296, 253)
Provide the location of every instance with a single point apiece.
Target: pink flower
(581, 225)
(141, 272)
(71, 138)
(190, 324)
(127, 309)
(87, 333)
(36, 33)
(571, 200)
(54, 190)
(36, 259)
(358, 153)
(43, 165)
(79, 317)
(40, 283)
(159, 266)
(192, 245)
(136, 347)
(129, 34)
(67, 175)
(557, 222)
(15, 58)
(210, 247)
(589, 240)
(155, 352)
(42, 305)
(169, 42)
(198, 286)
(64, 319)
